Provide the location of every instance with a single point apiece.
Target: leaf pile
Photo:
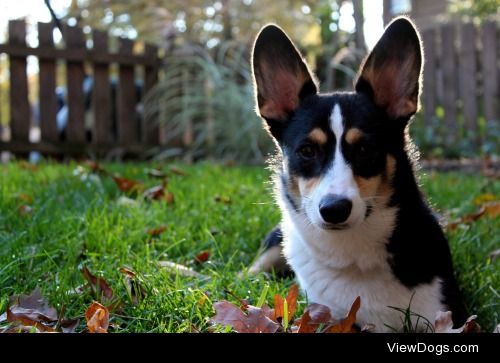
(252, 319)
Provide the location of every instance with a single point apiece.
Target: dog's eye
(307, 152)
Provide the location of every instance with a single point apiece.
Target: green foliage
(477, 8)
(210, 97)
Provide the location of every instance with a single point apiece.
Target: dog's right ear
(281, 77)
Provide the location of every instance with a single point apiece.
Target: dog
(354, 222)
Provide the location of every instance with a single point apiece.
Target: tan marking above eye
(353, 135)
(318, 135)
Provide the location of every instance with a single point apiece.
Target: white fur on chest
(333, 268)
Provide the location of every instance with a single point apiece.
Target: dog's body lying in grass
(353, 218)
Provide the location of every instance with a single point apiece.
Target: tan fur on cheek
(307, 186)
(353, 135)
(368, 186)
(385, 188)
(319, 136)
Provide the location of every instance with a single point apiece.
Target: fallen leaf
(25, 198)
(97, 318)
(95, 167)
(471, 326)
(134, 285)
(155, 232)
(28, 166)
(314, 316)
(486, 197)
(444, 324)
(291, 300)
(255, 321)
(224, 200)
(33, 306)
(175, 170)
(24, 210)
(182, 270)
(155, 173)
(31, 311)
(202, 257)
(489, 209)
(346, 325)
(159, 193)
(97, 283)
(492, 209)
(127, 185)
(126, 202)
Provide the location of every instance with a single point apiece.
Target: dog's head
(339, 150)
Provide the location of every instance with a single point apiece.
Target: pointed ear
(281, 77)
(391, 74)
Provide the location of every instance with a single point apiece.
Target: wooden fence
(462, 80)
(115, 122)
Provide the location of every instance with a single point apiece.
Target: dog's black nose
(335, 209)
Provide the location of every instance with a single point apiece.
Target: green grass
(78, 221)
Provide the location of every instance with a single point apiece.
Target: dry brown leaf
(97, 283)
(223, 200)
(97, 317)
(175, 170)
(134, 285)
(155, 232)
(155, 173)
(24, 210)
(489, 209)
(444, 324)
(314, 316)
(127, 185)
(175, 268)
(25, 198)
(95, 167)
(486, 197)
(28, 166)
(255, 321)
(202, 257)
(28, 311)
(492, 209)
(291, 300)
(160, 193)
(346, 325)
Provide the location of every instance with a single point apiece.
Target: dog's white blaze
(338, 179)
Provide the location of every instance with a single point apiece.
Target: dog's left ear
(282, 78)
(391, 74)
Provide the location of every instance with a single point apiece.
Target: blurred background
(171, 79)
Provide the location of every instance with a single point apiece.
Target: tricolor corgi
(354, 222)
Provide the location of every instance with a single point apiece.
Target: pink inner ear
(280, 92)
(395, 86)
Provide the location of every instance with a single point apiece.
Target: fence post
(490, 71)
(101, 94)
(151, 127)
(20, 112)
(468, 80)
(449, 83)
(75, 73)
(47, 79)
(128, 129)
(429, 94)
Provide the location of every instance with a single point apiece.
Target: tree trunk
(359, 19)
